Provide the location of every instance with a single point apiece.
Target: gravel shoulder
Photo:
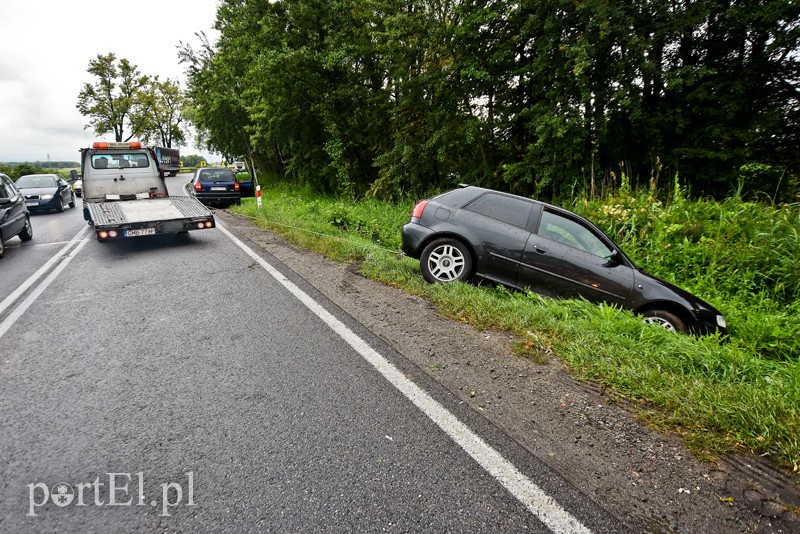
(646, 479)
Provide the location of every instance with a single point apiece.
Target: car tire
(27, 232)
(446, 260)
(666, 319)
(2, 246)
(60, 208)
(72, 202)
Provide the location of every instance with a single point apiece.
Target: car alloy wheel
(665, 319)
(27, 232)
(446, 260)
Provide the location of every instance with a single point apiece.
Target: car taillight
(235, 186)
(419, 208)
(198, 186)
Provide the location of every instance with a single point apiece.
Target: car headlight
(721, 322)
(45, 197)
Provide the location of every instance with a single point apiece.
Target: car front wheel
(446, 260)
(27, 232)
(665, 319)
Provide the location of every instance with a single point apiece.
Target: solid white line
(9, 300)
(520, 486)
(19, 310)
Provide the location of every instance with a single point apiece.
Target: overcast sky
(45, 48)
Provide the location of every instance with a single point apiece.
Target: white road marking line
(520, 486)
(19, 310)
(9, 300)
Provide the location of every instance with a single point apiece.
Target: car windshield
(36, 180)
(216, 175)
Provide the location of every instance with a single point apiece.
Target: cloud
(47, 48)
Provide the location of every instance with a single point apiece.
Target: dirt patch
(648, 480)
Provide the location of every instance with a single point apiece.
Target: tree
(165, 103)
(116, 102)
(542, 97)
(192, 160)
(214, 99)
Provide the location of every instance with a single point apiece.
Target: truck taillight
(235, 186)
(419, 208)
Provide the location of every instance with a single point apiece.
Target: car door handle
(539, 250)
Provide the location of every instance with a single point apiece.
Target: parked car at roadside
(14, 217)
(215, 186)
(45, 192)
(526, 244)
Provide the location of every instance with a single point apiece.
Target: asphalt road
(192, 383)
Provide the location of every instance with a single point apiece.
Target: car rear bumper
(217, 197)
(413, 236)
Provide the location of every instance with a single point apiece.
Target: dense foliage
(397, 97)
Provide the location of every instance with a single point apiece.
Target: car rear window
(120, 161)
(217, 175)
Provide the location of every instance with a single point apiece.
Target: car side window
(6, 190)
(514, 211)
(571, 233)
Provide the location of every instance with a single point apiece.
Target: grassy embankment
(744, 258)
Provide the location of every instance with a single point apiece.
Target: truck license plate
(139, 232)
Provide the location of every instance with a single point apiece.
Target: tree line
(130, 105)
(538, 97)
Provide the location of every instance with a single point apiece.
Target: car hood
(654, 288)
(37, 190)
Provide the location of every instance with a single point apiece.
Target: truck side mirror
(73, 175)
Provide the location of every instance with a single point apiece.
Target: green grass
(721, 397)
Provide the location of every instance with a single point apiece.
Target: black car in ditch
(527, 244)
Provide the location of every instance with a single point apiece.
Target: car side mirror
(613, 260)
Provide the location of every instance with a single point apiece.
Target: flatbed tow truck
(125, 195)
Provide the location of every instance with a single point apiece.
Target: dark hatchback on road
(14, 217)
(217, 186)
(527, 244)
(45, 192)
